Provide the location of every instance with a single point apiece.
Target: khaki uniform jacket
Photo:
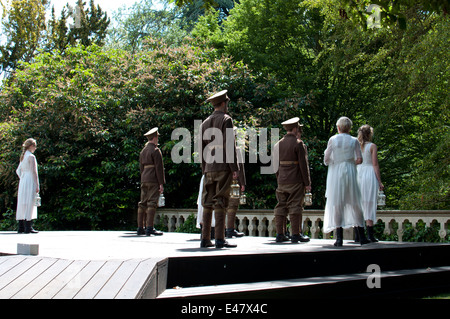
(294, 166)
(151, 165)
(221, 121)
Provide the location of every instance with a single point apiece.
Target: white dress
(343, 197)
(368, 184)
(28, 174)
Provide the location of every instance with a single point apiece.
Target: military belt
(288, 162)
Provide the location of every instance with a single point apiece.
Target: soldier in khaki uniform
(293, 179)
(152, 183)
(219, 165)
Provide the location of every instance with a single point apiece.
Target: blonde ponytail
(26, 145)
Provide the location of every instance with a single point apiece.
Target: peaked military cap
(218, 97)
(291, 123)
(152, 132)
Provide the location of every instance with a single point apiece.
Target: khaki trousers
(290, 201)
(215, 196)
(148, 204)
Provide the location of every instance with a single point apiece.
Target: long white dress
(343, 197)
(368, 184)
(29, 180)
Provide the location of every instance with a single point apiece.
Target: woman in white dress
(343, 204)
(369, 178)
(28, 188)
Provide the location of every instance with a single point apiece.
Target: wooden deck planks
(115, 283)
(28, 276)
(135, 282)
(31, 277)
(81, 278)
(92, 288)
(38, 283)
(61, 280)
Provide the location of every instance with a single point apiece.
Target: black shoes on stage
(26, 227)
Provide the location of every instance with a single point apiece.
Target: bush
(88, 110)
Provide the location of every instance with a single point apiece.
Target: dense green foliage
(89, 106)
(88, 110)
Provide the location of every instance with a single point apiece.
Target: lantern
(37, 202)
(307, 200)
(234, 192)
(381, 199)
(161, 200)
(243, 199)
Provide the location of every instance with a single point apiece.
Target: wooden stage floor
(117, 264)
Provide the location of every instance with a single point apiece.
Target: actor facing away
(343, 207)
(220, 167)
(152, 183)
(293, 179)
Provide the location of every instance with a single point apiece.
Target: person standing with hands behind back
(28, 187)
(369, 178)
(152, 183)
(220, 167)
(293, 178)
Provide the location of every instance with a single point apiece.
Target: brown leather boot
(206, 228)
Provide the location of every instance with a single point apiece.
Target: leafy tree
(89, 26)
(141, 21)
(23, 25)
(89, 108)
(324, 66)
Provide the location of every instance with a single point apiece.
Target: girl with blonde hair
(28, 187)
(369, 178)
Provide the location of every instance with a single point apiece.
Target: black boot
(221, 243)
(299, 238)
(281, 238)
(140, 231)
(339, 237)
(356, 234)
(152, 231)
(362, 236)
(370, 234)
(21, 228)
(231, 232)
(29, 227)
(205, 243)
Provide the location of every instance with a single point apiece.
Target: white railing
(260, 222)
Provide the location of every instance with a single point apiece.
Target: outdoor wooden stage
(121, 265)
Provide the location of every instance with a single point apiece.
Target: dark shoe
(152, 231)
(140, 231)
(362, 236)
(299, 238)
(339, 237)
(221, 243)
(205, 243)
(231, 232)
(281, 238)
(21, 228)
(370, 235)
(29, 227)
(356, 234)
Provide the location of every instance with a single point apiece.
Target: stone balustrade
(260, 222)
